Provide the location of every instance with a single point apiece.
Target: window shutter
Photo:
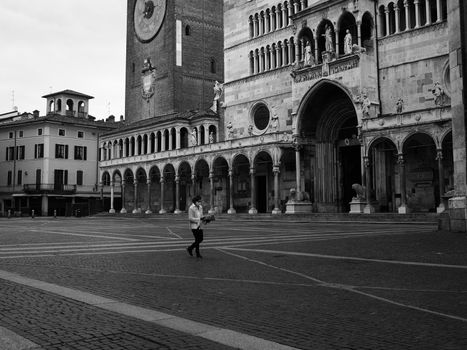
(56, 150)
(85, 153)
(35, 151)
(65, 177)
(66, 151)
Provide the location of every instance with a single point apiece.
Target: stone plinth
(298, 207)
(357, 206)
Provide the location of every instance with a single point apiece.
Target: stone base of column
(112, 211)
(276, 211)
(148, 212)
(162, 211)
(252, 211)
(231, 211)
(403, 209)
(458, 214)
(212, 211)
(123, 211)
(177, 211)
(136, 211)
(298, 207)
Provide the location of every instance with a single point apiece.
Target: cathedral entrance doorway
(330, 147)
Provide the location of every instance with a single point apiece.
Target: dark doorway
(261, 194)
(351, 173)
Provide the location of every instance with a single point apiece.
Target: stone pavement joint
(12, 341)
(220, 335)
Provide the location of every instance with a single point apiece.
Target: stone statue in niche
(399, 106)
(308, 60)
(194, 138)
(439, 94)
(211, 137)
(230, 130)
(348, 43)
(365, 101)
(328, 38)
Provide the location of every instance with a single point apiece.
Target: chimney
(35, 113)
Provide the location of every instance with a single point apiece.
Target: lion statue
(359, 191)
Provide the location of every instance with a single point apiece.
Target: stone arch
(155, 191)
(105, 179)
(320, 34)
(305, 36)
(368, 32)
(384, 188)
(422, 178)
(185, 185)
(263, 197)
(201, 172)
(327, 131)
(128, 190)
(221, 190)
(169, 188)
(241, 182)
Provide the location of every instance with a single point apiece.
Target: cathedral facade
(286, 106)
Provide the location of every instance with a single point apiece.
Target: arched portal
(385, 183)
(201, 185)
(241, 183)
(169, 188)
(329, 148)
(155, 183)
(185, 189)
(221, 184)
(422, 173)
(128, 192)
(264, 182)
(141, 199)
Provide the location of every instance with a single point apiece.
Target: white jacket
(194, 215)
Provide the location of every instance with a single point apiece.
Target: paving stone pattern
(55, 323)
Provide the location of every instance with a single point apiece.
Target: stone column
(112, 210)
(123, 210)
(439, 158)
(231, 192)
(212, 193)
(417, 13)
(284, 17)
(369, 209)
(206, 135)
(408, 23)
(397, 14)
(337, 44)
(296, 8)
(278, 16)
(386, 12)
(193, 182)
(162, 210)
(284, 53)
(428, 12)
(148, 210)
(276, 172)
(278, 57)
(261, 25)
(255, 28)
(439, 11)
(359, 34)
(298, 169)
(316, 50)
(291, 9)
(297, 50)
(135, 209)
(403, 209)
(302, 3)
(253, 191)
(163, 141)
(177, 195)
(177, 139)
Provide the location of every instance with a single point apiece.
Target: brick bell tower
(174, 55)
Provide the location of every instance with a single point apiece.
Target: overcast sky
(52, 45)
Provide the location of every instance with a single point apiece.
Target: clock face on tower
(148, 18)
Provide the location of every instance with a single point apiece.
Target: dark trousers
(198, 233)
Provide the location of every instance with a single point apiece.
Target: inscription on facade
(317, 72)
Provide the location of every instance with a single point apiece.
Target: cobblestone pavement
(304, 285)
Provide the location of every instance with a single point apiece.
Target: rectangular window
(39, 132)
(20, 177)
(61, 132)
(80, 134)
(61, 151)
(39, 150)
(20, 150)
(21, 133)
(10, 178)
(79, 178)
(10, 153)
(80, 152)
(10, 135)
(178, 42)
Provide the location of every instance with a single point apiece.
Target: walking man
(195, 214)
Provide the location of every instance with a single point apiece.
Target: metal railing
(49, 188)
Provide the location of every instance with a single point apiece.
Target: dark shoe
(189, 250)
(199, 256)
